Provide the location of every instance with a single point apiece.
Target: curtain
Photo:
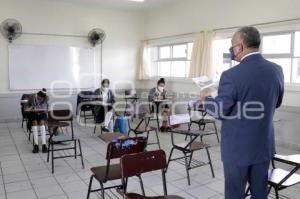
(143, 71)
(202, 55)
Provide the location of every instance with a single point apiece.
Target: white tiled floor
(27, 175)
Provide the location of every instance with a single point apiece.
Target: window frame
(171, 59)
(290, 55)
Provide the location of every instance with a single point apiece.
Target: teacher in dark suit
(247, 98)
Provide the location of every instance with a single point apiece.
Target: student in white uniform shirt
(105, 113)
(37, 109)
(158, 92)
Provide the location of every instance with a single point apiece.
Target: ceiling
(125, 4)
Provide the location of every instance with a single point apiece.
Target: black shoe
(105, 129)
(35, 149)
(44, 148)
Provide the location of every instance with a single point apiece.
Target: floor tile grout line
(79, 176)
(45, 163)
(98, 140)
(21, 159)
(2, 177)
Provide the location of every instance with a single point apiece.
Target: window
(276, 44)
(277, 48)
(171, 60)
(221, 57)
(296, 59)
(280, 48)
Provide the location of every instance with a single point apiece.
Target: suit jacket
(254, 83)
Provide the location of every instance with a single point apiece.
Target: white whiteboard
(56, 67)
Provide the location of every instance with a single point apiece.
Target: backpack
(121, 125)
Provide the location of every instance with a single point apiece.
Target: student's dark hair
(161, 81)
(42, 93)
(250, 36)
(105, 81)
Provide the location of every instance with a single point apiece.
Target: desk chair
(188, 148)
(159, 106)
(59, 119)
(202, 122)
(83, 106)
(137, 164)
(140, 113)
(130, 98)
(109, 172)
(23, 105)
(280, 179)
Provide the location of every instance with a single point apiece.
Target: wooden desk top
(109, 137)
(36, 111)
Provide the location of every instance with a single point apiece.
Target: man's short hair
(250, 36)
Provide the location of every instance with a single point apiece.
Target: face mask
(105, 89)
(105, 85)
(232, 55)
(160, 88)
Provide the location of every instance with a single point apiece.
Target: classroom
(149, 99)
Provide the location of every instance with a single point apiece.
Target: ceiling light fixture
(137, 0)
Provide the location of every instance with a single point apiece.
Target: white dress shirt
(254, 53)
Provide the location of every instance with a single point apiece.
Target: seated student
(105, 114)
(37, 108)
(157, 93)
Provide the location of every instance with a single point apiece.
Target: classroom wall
(124, 31)
(194, 15)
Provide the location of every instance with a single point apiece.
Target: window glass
(276, 44)
(180, 51)
(178, 69)
(190, 50)
(297, 44)
(164, 69)
(296, 71)
(221, 57)
(165, 52)
(286, 65)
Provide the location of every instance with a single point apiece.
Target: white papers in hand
(203, 82)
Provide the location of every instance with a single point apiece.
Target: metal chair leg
(247, 192)
(102, 190)
(90, 186)
(189, 128)
(276, 192)
(75, 149)
(169, 160)
(187, 169)
(157, 138)
(81, 155)
(210, 163)
(216, 130)
(269, 190)
(52, 157)
(48, 153)
(142, 185)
